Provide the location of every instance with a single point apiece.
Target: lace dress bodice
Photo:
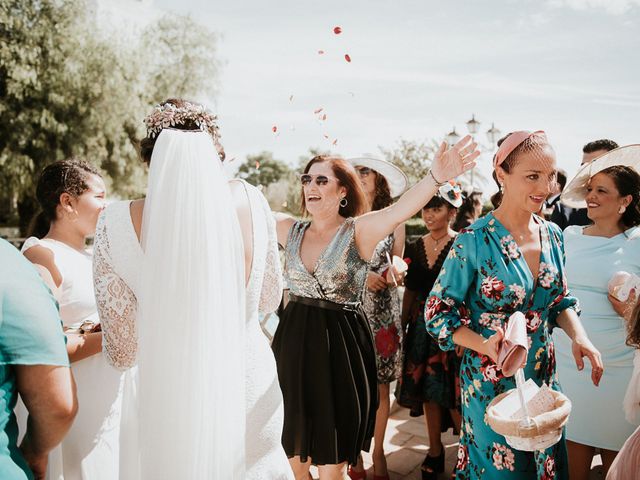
(339, 274)
(118, 260)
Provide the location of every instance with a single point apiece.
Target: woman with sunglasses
(381, 182)
(323, 345)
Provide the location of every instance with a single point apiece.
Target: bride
(180, 277)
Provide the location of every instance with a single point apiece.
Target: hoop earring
(343, 202)
(622, 209)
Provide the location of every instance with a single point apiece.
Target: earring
(622, 209)
(343, 202)
(502, 188)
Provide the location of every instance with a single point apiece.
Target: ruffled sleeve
(445, 310)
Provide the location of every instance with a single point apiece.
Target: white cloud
(614, 7)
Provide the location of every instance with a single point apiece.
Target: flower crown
(168, 115)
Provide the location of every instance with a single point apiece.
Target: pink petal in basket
(514, 348)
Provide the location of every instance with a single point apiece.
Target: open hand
(451, 162)
(582, 347)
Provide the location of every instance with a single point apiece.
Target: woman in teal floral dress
(485, 278)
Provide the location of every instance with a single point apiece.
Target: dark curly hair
(627, 182)
(602, 144)
(65, 176)
(348, 178)
(383, 194)
(466, 214)
(148, 142)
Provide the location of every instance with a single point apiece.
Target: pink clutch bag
(515, 347)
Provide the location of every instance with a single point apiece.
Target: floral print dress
(484, 279)
(383, 313)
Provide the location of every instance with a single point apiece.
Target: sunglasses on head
(363, 171)
(321, 180)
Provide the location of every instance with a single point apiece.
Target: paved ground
(406, 445)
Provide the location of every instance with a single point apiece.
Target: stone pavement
(406, 445)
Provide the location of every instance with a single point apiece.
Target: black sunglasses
(321, 180)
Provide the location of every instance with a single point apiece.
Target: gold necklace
(436, 242)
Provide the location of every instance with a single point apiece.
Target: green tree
(412, 157)
(263, 169)
(70, 89)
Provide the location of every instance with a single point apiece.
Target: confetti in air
(320, 52)
(274, 129)
(337, 30)
(291, 98)
(335, 142)
(317, 110)
(347, 57)
(326, 136)
(324, 117)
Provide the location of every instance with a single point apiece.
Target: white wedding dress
(117, 264)
(89, 450)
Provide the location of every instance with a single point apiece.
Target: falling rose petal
(257, 165)
(337, 30)
(317, 110)
(274, 129)
(324, 117)
(347, 57)
(335, 142)
(320, 52)
(326, 136)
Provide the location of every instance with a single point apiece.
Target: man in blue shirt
(33, 363)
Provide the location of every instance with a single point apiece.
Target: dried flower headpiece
(168, 115)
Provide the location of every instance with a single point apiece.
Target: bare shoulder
(45, 257)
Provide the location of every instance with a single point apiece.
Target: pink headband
(512, 142)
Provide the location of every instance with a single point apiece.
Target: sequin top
(339, 274)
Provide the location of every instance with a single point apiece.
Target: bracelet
(438, 184)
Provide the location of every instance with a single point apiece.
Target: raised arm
(447, 164)
(117, 305)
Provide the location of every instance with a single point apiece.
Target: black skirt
(327, 371)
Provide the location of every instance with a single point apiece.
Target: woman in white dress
(71, 194)
(180, 277)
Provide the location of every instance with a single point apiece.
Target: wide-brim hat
(575, 192)
(395, 177)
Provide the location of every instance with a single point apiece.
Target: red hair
(347, 178)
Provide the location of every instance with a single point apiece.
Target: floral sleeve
(564, 299)
(445, 310)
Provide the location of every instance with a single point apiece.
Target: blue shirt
(30, 334)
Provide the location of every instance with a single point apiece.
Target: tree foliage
(68, 88)
(263, 169)
(412, 157)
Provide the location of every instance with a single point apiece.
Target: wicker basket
(545, 431)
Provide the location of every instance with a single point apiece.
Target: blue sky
(570, 67)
